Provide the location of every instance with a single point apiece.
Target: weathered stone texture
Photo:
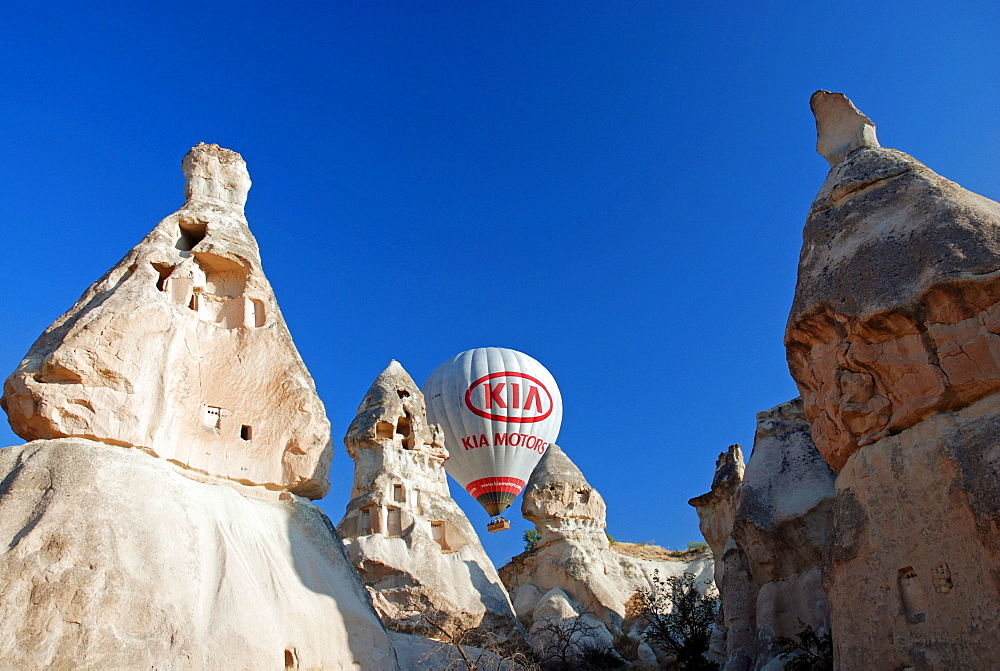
(717, 508)
(841, 128)
(180, 350)
(411, 543)
(894, 341)
(896, 313)
(114, 559)
(770, 576)
(912, 570)
(575, 572)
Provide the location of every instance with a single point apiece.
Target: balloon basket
(498, 524)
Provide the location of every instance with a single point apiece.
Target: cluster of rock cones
(160, 514)
(176, 374)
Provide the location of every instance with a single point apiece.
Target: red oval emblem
(493, 396)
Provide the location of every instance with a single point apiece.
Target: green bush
(531, 539)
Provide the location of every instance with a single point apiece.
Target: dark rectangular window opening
(246, 432)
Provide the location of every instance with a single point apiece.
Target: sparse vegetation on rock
(678, 619)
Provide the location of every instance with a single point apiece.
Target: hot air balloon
(500, 410)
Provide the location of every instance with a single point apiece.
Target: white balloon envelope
(500, 410)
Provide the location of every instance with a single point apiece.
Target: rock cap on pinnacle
(215, 175)
(555, 466)
(392, 383)
(840, 126)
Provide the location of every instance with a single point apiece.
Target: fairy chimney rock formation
(189, 552)
(769, 567)
(717, 508)
(574, 569)
(840, 126)
(180, 350)
(562, 504)
(894, 342)
(895, 316)
(411, 543)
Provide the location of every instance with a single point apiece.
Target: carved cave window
(394, 525)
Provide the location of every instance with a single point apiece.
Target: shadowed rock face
(180, 350)
(717, 508)
(410, 542)
(911, 570)
(896, 313)
(768, 567)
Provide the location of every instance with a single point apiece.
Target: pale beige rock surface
(411, 543)
(180, 350)
(574, 554)
(840, 126)
(771, 575)
(112, 559)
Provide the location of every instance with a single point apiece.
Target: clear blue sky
(616, 188)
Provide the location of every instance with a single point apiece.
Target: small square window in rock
(246, 432)
(398, 494)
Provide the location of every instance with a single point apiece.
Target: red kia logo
(493, 396)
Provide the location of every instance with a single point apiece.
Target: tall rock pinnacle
(410, 542)
(894, 342)
(180, 350)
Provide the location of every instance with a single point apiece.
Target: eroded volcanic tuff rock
(769, 568)
(116, 557)
(411, 543)
(575, 571)
(180, 350)
(894, 342)
(896, 314)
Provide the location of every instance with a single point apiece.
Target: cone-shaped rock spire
(560, 501)
(894, 343)
(180, 350)
(412, 545)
